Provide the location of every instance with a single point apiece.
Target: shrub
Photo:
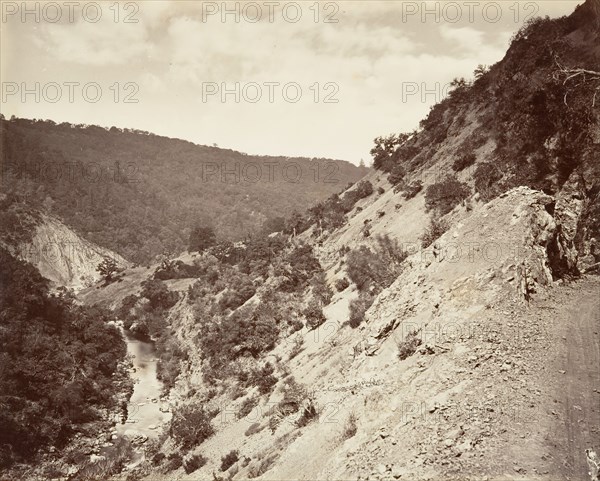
(321, 289)
(259, 468)
(445, 195)
(350, 428)
(263, 378)
(238, 392)
(358, 307)
(158, 294)
(486, 177)
(433, 232)
(367, 268)
(194, 463)
(174, 461)
(295, 325)
(342, 284)
(364, 189)
(297, 347)
(229, 460)
(314, 315)
(248, 330)
(309, 414)
(396, 175)
(380, 190)
(254, 428)
(190, 426)
(409, 345)
(124, 311)
(464, 161)
(294, 394)
(157, 459)
(247, 406)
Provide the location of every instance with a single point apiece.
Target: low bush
(396, 174)
(190, 426)
(314, 315)
(412, 189)
(486, 177)
(408, 346)
(309, 414)
(350, 428)
(446, 195)
(194, 463)
(263, 378)
(174, 461)
(247, 406)
(342, 284)
(434, 231)
(257, 469)
(254, 428)
(463, 161)
(358, 307)
(229, 460)
(297, 347)
(375, 269)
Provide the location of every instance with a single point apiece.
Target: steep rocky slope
(456, 295)
(61, 255)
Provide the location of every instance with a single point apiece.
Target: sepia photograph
(353, 240)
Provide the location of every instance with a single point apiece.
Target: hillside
(58, 253)
(437, 320)
(140, 194)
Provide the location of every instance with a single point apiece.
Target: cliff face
(64, 257)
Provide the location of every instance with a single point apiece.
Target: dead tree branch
(567, 74)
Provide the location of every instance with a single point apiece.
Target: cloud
(105, 43)
(369, 56)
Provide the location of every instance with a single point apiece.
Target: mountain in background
(140, 194)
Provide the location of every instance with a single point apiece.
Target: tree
(190, 426)
(107, 268)
(480, 71)
(201, 238)
(295, 224)
(158, 294)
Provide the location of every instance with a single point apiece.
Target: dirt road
(578, 389)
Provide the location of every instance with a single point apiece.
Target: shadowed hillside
(140, 194)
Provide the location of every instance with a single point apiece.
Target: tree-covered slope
(59, 364)
(140, 194)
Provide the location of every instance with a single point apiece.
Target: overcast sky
(277, 78)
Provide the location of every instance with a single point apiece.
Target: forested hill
(140, 194)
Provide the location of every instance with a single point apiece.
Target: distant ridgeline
(140, 194)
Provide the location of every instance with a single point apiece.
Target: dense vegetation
(59, 363)
(542, 130)
(141, 195)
